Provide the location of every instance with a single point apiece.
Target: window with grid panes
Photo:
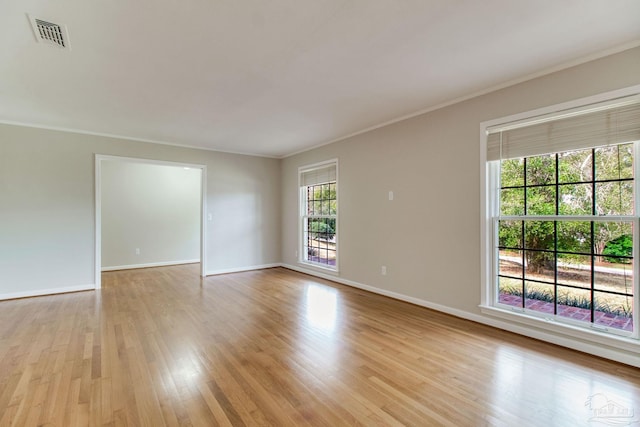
(319, 215)
(564, 217)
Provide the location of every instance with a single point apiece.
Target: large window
(563, 226)
(319, 214)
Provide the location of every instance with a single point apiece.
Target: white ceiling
(280, 76)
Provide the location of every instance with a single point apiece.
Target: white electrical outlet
(390, 195)
(383, 270)
(137, 251)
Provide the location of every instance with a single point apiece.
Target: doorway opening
(151, 212)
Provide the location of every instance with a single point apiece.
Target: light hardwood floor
(162, 347)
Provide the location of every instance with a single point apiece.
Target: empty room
(320, 213)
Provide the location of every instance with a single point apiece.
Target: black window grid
(320, 199)
(557, 184)
(321, 208)
(555, 252)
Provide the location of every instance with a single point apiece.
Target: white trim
(636, 239)
(489, 209)
(318, 165)
(51, 291)
(98, 207)
(320, 268)
(603, 346)
(130, 138)
(97, 223)
(203, 222)
(486, 91)
(557, 108)
(301, 215)
(151, 264)
(564, 114)
(141, 160)
(241, 269)
(621, 342)
(486, 225)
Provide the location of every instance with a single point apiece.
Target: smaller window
(319, 214)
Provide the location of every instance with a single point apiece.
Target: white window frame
(302, 216)
(489, 210)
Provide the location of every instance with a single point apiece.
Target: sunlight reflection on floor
(570, 397)
(322, 308)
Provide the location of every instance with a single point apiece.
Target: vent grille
(49, 32)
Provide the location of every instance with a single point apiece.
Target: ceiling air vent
(49, 32)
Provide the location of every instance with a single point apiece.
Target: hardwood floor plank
(164, 347)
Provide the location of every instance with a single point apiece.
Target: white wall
(152, 208)
(47, 202)
(429, 236)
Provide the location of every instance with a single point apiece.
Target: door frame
(99, 158)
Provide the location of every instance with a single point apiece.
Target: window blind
(570, 130)
(319, 175)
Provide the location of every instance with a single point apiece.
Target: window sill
(319, 267)
(568, 331)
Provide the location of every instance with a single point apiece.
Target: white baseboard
(241, 269)
(51, 291)
(629, 357)
(150, 264)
